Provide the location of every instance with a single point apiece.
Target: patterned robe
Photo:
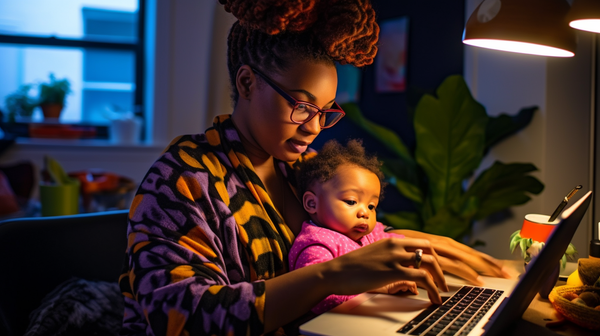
(203, 235)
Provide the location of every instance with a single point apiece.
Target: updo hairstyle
(273, 34)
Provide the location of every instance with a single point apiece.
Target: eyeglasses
(303, 112)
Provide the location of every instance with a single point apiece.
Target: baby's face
(347, 202)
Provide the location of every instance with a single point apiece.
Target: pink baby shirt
(316, 244)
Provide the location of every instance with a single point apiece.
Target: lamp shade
(585, 15)
(536, 27)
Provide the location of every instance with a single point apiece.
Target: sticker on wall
(390, 63)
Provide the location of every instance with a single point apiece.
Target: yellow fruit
(574, 280)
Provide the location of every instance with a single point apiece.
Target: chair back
(38, 254)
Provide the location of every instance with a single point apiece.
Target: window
(96, 44)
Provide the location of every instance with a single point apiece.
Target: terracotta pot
(51, 110)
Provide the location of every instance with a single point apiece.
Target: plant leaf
(56, 171)
(402, 220)
(502, 186)
(446, 223)
(403, 177)
(504, 125)
(524, 244)
(515, 238)
(450, 136)
(387, 137)
(516, 234)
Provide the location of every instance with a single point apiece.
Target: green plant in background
(531, 248)
(54, 91)
(453, 133)
(20, 103)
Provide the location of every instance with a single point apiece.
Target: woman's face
(263, 116)
(345, 203)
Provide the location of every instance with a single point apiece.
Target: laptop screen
(539, 269)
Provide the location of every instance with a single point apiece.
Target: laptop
(492, 309)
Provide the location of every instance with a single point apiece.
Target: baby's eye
(349, 202)
(372, 207)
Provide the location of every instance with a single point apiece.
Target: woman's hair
(323, 166)
(273, 34)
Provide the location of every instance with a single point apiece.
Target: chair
(38, 254)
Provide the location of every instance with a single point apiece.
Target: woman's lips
(298, 146)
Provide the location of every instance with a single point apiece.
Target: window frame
(138, 48)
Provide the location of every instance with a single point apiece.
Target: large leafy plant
(453, 133)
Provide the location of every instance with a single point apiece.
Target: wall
(558, 139)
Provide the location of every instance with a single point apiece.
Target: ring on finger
(418, 257)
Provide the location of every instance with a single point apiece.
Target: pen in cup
(562, 204)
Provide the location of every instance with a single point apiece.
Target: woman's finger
(431, 264)
(425, 281)
(470, 258)
(461, 270)
(428, 263)
(474, 261)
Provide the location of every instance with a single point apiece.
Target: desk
(388, 312)
(541, 312)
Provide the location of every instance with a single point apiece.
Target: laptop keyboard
(458, 315)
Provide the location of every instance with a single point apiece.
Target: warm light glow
(519, 47)
(591, 25)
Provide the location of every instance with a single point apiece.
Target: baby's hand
(395, 287)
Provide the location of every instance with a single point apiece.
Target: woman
(214, 218)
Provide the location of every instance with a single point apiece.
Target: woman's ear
(309, 201)
(244, 81)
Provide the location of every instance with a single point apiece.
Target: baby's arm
(315, 254)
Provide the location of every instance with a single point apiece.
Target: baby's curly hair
(273, 34)
(322, 167)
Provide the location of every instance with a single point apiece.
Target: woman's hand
(385, 262)
(459, 259)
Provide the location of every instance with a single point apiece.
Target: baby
(341, 188)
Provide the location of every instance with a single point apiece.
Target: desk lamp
(585, 15)
(536, 27)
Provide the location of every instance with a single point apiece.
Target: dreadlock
(272, 34)
(323, 166)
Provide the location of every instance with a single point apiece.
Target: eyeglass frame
(296, 102)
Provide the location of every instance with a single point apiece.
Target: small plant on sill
(52, 96)
(20, 103)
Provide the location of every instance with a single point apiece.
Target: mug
(59, 200)
(537, 227)
(125, 131)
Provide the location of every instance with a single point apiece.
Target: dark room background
(434, 52)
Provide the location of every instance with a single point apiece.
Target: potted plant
(20, 103)
(52, 96)
(453, 134)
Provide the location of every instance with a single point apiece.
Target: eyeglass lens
(303, 112)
